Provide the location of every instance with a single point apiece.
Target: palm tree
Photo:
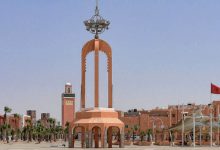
(52, 129)
(40, 131)
(66, 130)
(5, 128)
(134, 131)
(29, 129)
(129, 135)
(17, 117)
(6, 110)
(142, 134)
(149, 134)
(8, 127)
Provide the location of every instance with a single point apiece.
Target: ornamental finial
(96, 24)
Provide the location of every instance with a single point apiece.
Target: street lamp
(183, 117)
(154, 126)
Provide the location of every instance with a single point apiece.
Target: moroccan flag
(215, 89)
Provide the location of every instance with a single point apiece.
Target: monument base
(97, 124)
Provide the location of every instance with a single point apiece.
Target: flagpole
(182, 125)
(218, 125)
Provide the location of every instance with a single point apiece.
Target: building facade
(160, 120)
(44, 119)
(32, 114)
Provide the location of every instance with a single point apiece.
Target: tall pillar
(122, 138)
(109, 81)
(96, 137)
(83, 138)
(87, 139)
(103, 138)
(110, 137)
(71, 139)
(90, 139)
(96, 73)
(83, 84)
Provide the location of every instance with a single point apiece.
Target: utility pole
(194, 129)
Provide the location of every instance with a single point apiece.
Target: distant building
(68, 105)
(44, 119)
(32, 114)
(159, 120)
(45, 116)
(24, 119)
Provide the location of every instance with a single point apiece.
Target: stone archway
(115, 134)
(77, 133)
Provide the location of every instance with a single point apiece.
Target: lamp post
(183, 117)
(210, 121)
(211, 117)
(194, 126)
(154, 126)
(218, 125)
(194, 130)
(211, 129)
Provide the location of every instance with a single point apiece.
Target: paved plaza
(58, 146)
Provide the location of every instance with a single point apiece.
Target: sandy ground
(58, 146)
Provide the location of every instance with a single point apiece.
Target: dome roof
(68, 83)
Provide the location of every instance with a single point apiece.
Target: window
(126, 126)
(173, 115)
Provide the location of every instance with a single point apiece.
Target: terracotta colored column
(103, 138)
(109, 81)
(83, 81)
(110, 137)
(96, 137)
(71, 138)
(90, 139)
(83, 138)
(121, 145)
(96, 73)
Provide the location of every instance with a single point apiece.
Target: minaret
(68, 105)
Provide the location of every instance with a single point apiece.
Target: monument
(97, 125)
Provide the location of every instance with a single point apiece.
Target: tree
(142, 134)
(66, 130)
(52, 129)
(5, 128)
(40, 131)
(29, 129)
(134, 131)
(8, 128)
(6, 110)
(17, 130)
(149, 134)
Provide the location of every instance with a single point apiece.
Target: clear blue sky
(164, 52)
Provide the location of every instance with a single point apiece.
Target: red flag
(215, 89)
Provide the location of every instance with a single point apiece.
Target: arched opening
(113, 136)
(89, 80)
(96, 136)
(78, 134)
(103, 82)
